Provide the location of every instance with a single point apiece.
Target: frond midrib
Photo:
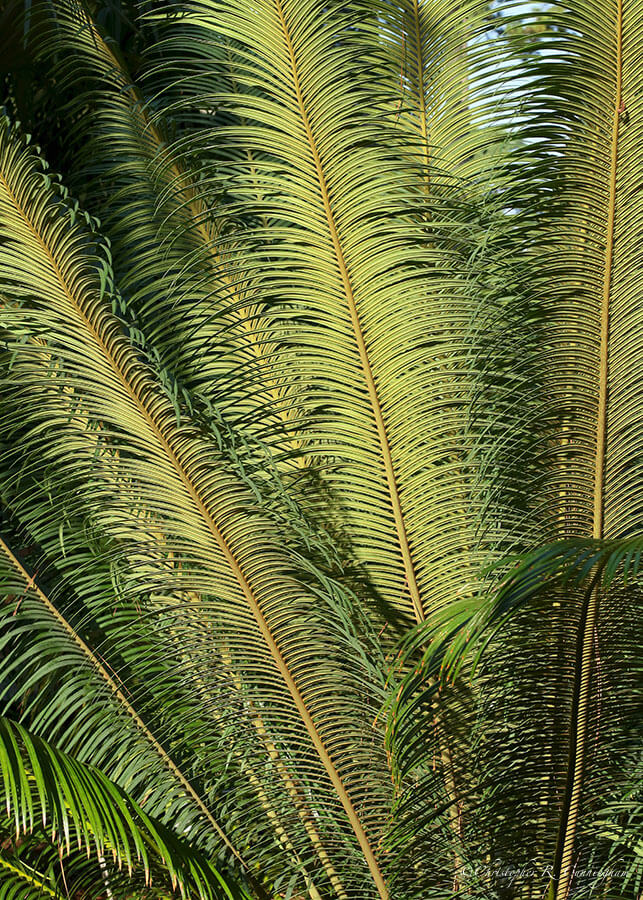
(369, 377)
(31, 585)
(198, 211)
(165, 443)
(578, 738)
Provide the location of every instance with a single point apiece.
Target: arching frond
(92, 713)
(193, 772)
(162, 484)
(446, 62)
(361, 362)
(171, 247)
(78, 805)
(571, 647)
(361, 305)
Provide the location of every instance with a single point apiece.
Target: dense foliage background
(321, 471)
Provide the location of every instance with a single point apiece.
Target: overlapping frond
(162, 484)
(171, 244)
(78, 805)
(86, 708)
(367, 311)
(160, 680)
(374, 266)
(447, 60)
(570, 648)
(593, 262)
(31, 869)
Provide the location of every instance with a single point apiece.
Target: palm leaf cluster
(321, 450)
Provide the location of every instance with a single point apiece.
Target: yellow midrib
(581, 722)
(192, 491)
(357, 328)
(116, 691)
(293, 790)
(197, 209)
(35, 880)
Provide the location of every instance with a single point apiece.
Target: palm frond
(170, 245)
(164, 484)
(79, 805)
(141, 676)
(23, 882)
(370, 370)
(32, 866)
(446, 62)
(92, 695)
(352, 285)
(581, 636)
(593, 315)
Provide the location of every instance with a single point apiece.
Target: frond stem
(587, 628)
(31, 585)
(355, 320)
(370, 382)
(165, 442)
(563, 864)
(601, 431)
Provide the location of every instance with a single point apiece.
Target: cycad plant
(321, 449)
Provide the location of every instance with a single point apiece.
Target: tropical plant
(321, 449)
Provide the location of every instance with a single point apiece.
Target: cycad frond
(586, 255)
(170, 245)
(447, 67)
(375, 312)
(166, 484)
(80, 806)
(595, 320)
(142, 677)
(92, 697)
(32, 868)
(360, 303)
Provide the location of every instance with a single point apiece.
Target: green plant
(321, 446)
